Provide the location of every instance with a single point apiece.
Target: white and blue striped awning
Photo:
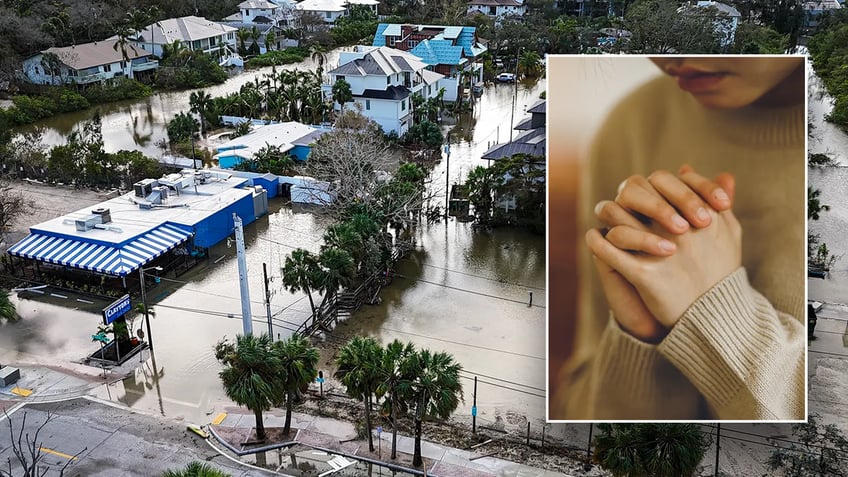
(113, 260)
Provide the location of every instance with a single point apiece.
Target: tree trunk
(394, 427)
(260, 425)
(311, 304)
(367, 401)
(287, 426)
(416, 457)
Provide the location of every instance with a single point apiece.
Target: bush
(69, 100)
(198, 70)
(117, 90)
(29, 109)
(278, 57)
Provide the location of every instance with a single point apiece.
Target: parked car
(506, 77)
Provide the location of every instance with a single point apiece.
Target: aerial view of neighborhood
(308, 238)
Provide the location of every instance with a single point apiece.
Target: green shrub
(29, 109)
(190, 70)
(117, 90)
(278, 57)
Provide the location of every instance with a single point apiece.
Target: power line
(487, 295)
(465, 344)
(471, 378)
(521, 285)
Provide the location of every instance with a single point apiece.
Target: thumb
(728, 183)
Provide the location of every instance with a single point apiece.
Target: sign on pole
(117, 309)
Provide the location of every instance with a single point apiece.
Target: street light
(144, 302)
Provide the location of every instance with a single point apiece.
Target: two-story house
(496, 9)
(194, 33)
(87, 63)
(453, 51)
(383, 81)
(332, 10)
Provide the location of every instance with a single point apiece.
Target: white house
(497, 8)
(87, 63)
(727, 21)
(292, 137)
(382, 81)
(332, 10)
(195, 33)
(258, 11)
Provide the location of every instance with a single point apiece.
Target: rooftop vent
(144, 187)
(104, 213)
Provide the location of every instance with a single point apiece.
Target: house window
(388, 80)
(368, 105)
(248, 12)
(123, 65)
(37, 70)
(107, 68)
(403, 105)
(230, 36)
(329, 15)
(411, 43)
(195, 45)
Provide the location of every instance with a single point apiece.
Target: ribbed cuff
(722, 339)
(628, 363)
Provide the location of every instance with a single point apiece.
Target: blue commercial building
(291, 137)
(179, 215)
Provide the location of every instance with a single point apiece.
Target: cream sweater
(738, 351)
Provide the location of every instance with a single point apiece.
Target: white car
(506, 77)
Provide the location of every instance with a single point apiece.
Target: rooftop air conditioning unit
(144, 187)
(87, 223)
(104, 213)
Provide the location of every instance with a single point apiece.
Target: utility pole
(242, 266)
(474, 409)
(514, 97)
(718, 438)
(447, 181)
(267, 300)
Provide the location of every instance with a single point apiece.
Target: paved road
(110, 442)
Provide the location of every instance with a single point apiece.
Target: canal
(462, 291)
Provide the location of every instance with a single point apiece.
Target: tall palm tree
(255, 34)
(196, 469)
(300, 273)
(337, 270)
(253, 374)
(434, 391)
(342, 93)
(298, 361)
(200, 103)
(243, 34)
(270, 40)
(7, 308)
(393, 381)
(124, 33)
(658, 450)
(345, 237)
(358, 366)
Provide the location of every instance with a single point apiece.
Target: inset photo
(677, 238)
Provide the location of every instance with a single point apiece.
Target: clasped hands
(668, 240)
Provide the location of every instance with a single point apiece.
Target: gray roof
(392, 92)
(532, 142)
(382, 61)
(184, 29)
(539, 107)
(89, 55)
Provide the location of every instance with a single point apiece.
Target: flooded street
(460, 291)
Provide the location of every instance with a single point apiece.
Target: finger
(728, 183)
(681, 196)
(629, 238)
(712, 192)
(612, 214)
(627, 306)
(639, 196)
(618, 259)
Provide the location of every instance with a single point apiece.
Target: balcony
(147, 65)
(90, 78)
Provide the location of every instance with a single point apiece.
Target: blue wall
(228, 162)
(270, 185)
(219, 225)
(300, 152)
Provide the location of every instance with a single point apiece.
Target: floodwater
(460, 291)
(833, 224)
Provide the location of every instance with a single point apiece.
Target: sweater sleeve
(745, 357)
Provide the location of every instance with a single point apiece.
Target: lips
(697, 81)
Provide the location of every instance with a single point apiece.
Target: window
(388, 80)
(411, 43)
(107, 68)
(329, 15)
(123, 65)
(340, 78)
(403, 105)
(247, 12)
(195, 45)
(37, 70)
(230, 36)
(368, 105)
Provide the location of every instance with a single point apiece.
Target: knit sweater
(738, 351)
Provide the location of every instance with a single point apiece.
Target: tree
(182, 127)
(13, 204)
(298, 361)
(7, 308)
(432, 389)
(358, 368)
(530, 65)
(814, 205)
(124, 32)
(343, 236)
(821, 451)
(657, 450)
(252, 375)
(196, 469)
(394, 381)
(243, 34)
(660, 26)
(337, 271)
(200, 103)
(342, 93)
(424, 134)
(819, 257)
(300, 273)
(481, 184)
(270, 40)
(28, 451)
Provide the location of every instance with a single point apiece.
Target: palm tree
(7, 308)
(124, 33)
(658, 450)
(270, 40)
(200, 102)
(393, 381)
(297, 360)
(337, 270)
(358, 366)
(196, 469)
(254, 37)
(481, 184)
(434, 390)
(300, 273)
(243, 34)
(530, 65)
(345, 237)
(253, 374)
(342, 93)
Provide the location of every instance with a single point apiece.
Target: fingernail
(702, 214)
(599, 206)
(679, 222)
(666, 246)
(721, 195)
